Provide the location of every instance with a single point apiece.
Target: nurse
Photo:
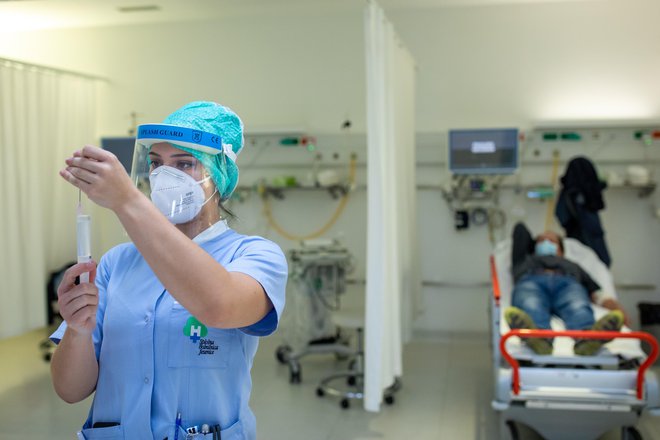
(166, 331)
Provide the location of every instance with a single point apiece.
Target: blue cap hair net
(217, 119)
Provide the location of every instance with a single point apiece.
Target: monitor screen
(122, 147)
(483, 151)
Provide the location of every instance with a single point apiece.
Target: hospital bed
(564, 396)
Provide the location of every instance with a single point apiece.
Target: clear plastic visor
(148, 157)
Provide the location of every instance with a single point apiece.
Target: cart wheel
(389, 400)
(351, 380)
(295, 377)
(282, 354)
(320, 392)
(630, 433)
(345, 404)
(513, 429)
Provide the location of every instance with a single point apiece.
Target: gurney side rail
(582, 334)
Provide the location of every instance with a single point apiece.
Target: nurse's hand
(100, 175)
(78, 303)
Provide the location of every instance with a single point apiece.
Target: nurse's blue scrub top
(156, 359)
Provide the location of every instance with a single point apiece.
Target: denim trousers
(542, 295)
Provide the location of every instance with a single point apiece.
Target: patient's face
(553, 237)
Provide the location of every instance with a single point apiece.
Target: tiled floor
(446, 395)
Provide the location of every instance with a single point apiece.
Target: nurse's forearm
(204, 287)
(74, 369)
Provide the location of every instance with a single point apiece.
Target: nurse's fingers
(83, 174)
(66, 297)
(78, 303)
(69, 278)
(90, 165)
(96, 153)
(73, 180)
(99, 161)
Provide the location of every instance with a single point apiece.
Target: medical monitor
(483, 151)
(122, 147)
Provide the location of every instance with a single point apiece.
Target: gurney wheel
(389, 400)
(345, 404)
(630, 433)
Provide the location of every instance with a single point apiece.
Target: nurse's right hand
(78, 303)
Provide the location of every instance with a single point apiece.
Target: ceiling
(22, 15)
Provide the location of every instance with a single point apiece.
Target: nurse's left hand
(100, 175)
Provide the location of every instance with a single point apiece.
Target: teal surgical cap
(219, 120)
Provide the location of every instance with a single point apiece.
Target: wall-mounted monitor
(483, 151)
(122, 147)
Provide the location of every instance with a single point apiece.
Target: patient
(546, 283)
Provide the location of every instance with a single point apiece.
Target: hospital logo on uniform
(194, 329)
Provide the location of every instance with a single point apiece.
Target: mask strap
(211, 196)
(203, 180)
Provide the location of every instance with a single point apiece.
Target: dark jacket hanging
(579, 201)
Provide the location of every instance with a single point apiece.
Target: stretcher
(564, 396)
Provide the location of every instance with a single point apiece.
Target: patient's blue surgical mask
(546, 247)
(176, 194)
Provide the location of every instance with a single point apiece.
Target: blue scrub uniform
(157, 360)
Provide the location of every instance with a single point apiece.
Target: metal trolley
(317, 279)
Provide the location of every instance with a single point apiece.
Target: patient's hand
(613, 304)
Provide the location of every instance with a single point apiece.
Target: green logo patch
(194, 329)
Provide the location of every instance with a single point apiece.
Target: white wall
(478, 66)
(481, 66)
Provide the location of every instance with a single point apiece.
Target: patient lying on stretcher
(546, 283)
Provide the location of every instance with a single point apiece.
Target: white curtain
(393, 282)
(44, 116)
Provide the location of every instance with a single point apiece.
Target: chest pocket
(191, 344)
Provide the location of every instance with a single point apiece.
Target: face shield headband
(149, 134)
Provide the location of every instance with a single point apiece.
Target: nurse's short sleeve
(101, 281)
(264, 261)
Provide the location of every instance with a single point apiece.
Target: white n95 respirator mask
(176, 194)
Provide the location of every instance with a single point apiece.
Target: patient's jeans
(543, 295)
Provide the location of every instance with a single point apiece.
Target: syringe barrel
(83, 234)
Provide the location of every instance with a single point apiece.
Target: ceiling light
(140, 8)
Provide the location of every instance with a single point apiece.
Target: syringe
(83, 222)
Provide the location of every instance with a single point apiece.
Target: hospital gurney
(317, 279)
(563, 396)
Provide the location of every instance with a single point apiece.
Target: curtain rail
(11, 61)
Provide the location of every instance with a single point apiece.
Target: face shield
(168, 166)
